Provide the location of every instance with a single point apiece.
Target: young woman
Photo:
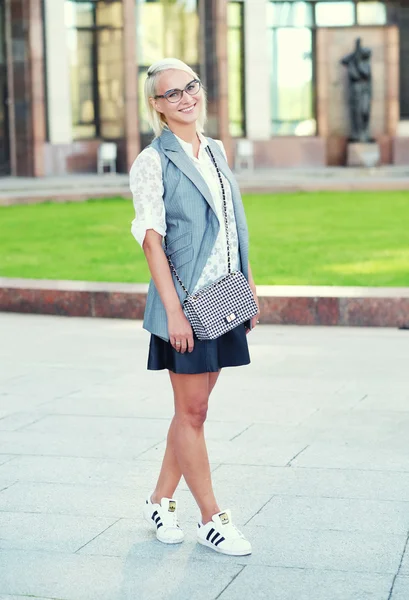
(177, 195)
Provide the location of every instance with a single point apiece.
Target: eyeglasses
(176, 95)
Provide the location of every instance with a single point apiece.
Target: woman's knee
(193, 410)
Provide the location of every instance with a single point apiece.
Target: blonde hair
(156, 119)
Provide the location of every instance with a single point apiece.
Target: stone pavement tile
(319, 426)
(282, 546)
(312, 482)
(404, 570)
(119, 405)
(244, 453)
(389, 456)
(5, 484)
(262, 410)
(334, 513)
(19, 420)
(248, 383)
(50, 383)
(95, 501)
(388, 381)
(98, 446)
(69, 425)
(394, 401)
(400, 589)
(93, 471)
(271, 583)
(19, 597)
(80, 577)
(356, 426)
(55, 533)
(13, 403)
(270, 432)
(9, 368)
(5, 458)
(118, 387)
(326, 549)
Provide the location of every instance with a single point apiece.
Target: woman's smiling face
(187, 109)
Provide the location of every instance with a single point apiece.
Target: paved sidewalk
(16, 190)
(308, 446)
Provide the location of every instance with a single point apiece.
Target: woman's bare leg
(171, 472)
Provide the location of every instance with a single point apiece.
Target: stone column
(257, 71)
(36, 97)
(132, 137)
(220, 12)
(215, 62)
(27, 63)
(58, 74)
(392, 105)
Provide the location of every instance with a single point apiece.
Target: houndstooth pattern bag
(224, 304)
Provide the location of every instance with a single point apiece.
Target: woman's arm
(179, 327)
(148, 228)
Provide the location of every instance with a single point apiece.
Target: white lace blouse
(147, 191)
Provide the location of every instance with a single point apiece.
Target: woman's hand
(180, 332)
(255, 319)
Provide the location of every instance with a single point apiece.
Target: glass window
(236, 68)
(371, 13)
(79, 14)
(80, 45)
(94, 37)
(334, 14)
(403, 62)
(164, 28)
(289, 14)
(167, 28)
(2, 40)
(292, 82)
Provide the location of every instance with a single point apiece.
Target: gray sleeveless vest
(191, 222)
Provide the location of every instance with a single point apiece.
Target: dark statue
(358, 64)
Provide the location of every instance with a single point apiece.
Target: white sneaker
(221, 535)
(163, 518)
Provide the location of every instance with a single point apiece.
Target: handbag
(224, 304)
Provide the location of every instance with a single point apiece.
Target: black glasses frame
(169, 92)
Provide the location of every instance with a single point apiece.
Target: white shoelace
(170, 519)
(233, 531)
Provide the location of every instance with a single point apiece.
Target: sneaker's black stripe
(157, 519)
(160, 525)
(214, 538)
(210, 533)
(219, 541)
(154, 514)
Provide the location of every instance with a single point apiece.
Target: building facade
(72, 74)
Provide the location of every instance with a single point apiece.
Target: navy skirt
(208, 356)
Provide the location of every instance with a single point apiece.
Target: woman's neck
(187, 133)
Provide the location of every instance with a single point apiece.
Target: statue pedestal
(363, 155)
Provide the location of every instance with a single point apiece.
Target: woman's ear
(155, 104)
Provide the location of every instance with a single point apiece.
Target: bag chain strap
(226, 222)
(226, 225)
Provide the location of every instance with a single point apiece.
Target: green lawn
(326, 238)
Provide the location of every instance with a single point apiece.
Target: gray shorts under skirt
(208, 356)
